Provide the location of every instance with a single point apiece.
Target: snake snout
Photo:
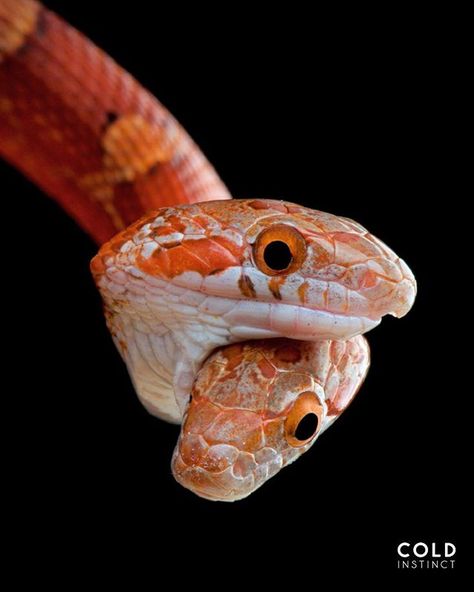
(401, 290)
(407, 290)
(221, 472)
(404, 298)
(385, 286)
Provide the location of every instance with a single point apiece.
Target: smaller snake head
(258, 406)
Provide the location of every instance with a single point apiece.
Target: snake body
(190, 282)
(85, 131)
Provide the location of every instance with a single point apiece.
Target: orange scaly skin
(238, 429)
(184, 280)
(85, 131)
(189, 278)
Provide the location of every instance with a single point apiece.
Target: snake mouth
(252, 319)
(226, 495)
(352, 314)
(307, 322)
(222, 486)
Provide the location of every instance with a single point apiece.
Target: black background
(355, 121)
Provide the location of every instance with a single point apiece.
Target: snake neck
(85, 131)
(164, 333)
(163, 341)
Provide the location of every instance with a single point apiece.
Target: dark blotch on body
(246, 286)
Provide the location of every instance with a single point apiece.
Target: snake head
(287, 270)
(258, 406)
(185, 280)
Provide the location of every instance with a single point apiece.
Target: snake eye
(303, 421)
(279, 249)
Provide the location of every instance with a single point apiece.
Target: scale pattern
(181, 277)
(85, 131)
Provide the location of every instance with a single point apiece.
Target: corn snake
(109, 152)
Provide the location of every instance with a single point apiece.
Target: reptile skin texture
(240, 320)
(104, 147)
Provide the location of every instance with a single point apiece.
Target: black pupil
(307, 427)
(277, 255)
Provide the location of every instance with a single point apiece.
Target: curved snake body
(189, 283)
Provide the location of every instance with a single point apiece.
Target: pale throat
(162, 363)
(164, 335)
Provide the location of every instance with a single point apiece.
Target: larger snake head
(185, 280)
(258, 406)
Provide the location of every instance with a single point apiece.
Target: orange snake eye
(304, 420)
(279, 249)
